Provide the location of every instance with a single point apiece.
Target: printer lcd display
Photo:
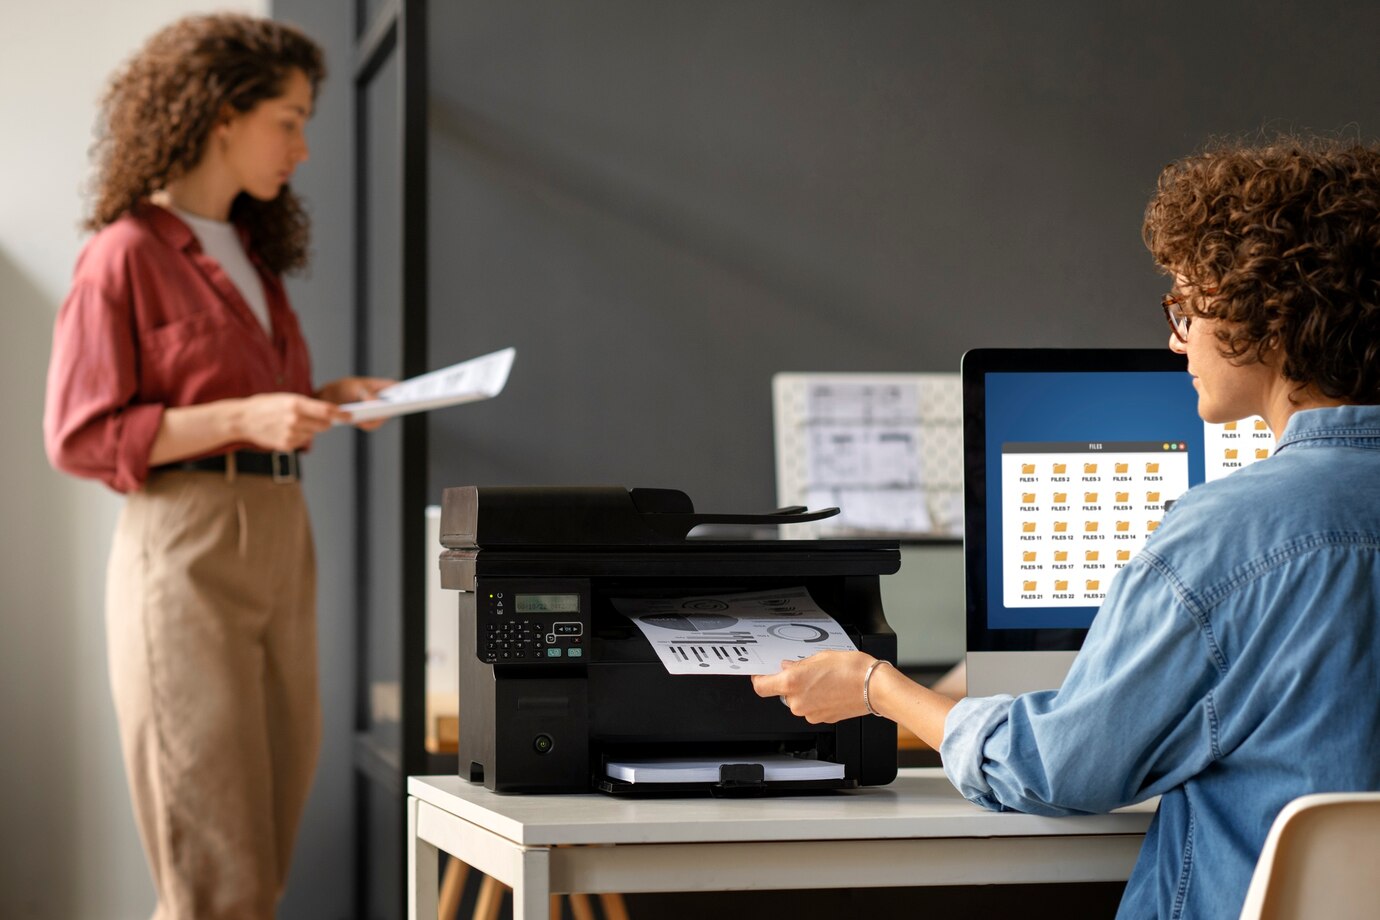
(548, 603)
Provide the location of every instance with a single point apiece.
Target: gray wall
(662, 204)
(68, 846)
(323, 862)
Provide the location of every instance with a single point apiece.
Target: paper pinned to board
(740, 634)
(469, 381)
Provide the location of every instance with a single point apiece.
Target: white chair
(1321, 859)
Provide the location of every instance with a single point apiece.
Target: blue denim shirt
(1234, 665)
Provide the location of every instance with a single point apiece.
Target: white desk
(917, 831)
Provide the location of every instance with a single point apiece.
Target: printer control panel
(535, 621)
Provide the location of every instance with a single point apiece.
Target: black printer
(556, 683)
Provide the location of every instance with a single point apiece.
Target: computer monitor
(1070, 457)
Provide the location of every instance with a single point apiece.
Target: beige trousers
(211, 621)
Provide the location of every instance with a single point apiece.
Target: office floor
(974, 903)
(1088, 901)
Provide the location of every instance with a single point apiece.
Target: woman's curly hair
(1288, 235)
(160, 107)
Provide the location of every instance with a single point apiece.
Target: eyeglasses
(1174, 313)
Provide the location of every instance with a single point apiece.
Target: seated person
(1235, 663)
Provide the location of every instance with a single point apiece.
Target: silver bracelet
(867, 686)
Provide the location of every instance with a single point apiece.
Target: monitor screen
(1071, 457)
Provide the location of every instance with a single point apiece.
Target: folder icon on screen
(1028, 586)
(1152, 525)
(1123, 526)
(1027, 469)
(1028, 556)
(1152, 467)
(1060, 497)
(1061, 586)
(1089, 497)
(1152, 496)
(1231, 453)
(1061, 555)
(1089, 526)
(1027, 498)
(1123, 496)
(1090, 468)
(1061, 526)
(1229, 426)
(1261, 453)
(1093, 583)
(1122, 468)
(1060, 469)
(1027, 527)
(1090, 556)
(1260, 424)
(1123, 555)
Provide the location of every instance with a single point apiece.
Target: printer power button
(543, 744)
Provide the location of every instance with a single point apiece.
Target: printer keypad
(512, 640)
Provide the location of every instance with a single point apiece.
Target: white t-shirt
(221, 241)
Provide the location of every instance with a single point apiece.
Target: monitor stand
(991, 673)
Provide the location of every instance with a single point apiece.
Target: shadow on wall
(60, 773)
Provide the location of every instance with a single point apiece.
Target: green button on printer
(553, 653)
(575, 653)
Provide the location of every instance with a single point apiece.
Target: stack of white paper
(468, 381)
(776, 768)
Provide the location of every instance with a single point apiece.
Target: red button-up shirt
(153, 323)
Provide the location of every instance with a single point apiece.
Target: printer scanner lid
(549, 516)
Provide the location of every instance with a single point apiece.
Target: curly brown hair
(160, 107)
(1288, 235)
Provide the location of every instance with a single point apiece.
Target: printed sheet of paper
(469, 381)
(734, 633)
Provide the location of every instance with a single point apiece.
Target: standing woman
(179, 376)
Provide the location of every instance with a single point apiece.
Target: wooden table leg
(452, 888)
(615, 908)
(490, 899)
(581, 907)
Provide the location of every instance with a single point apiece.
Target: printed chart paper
(469, 381)
(735, 633)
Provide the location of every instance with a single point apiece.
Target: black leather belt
(283, 467)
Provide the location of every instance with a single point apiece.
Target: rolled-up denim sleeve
(1133, 718)
(966, 730)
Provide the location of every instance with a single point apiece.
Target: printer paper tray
(725, 775)
(720, 789)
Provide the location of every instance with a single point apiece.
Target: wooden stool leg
(452, 887)
(490, 900)
(581, 907)
(615, 908)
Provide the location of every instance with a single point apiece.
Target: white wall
(68, 847)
